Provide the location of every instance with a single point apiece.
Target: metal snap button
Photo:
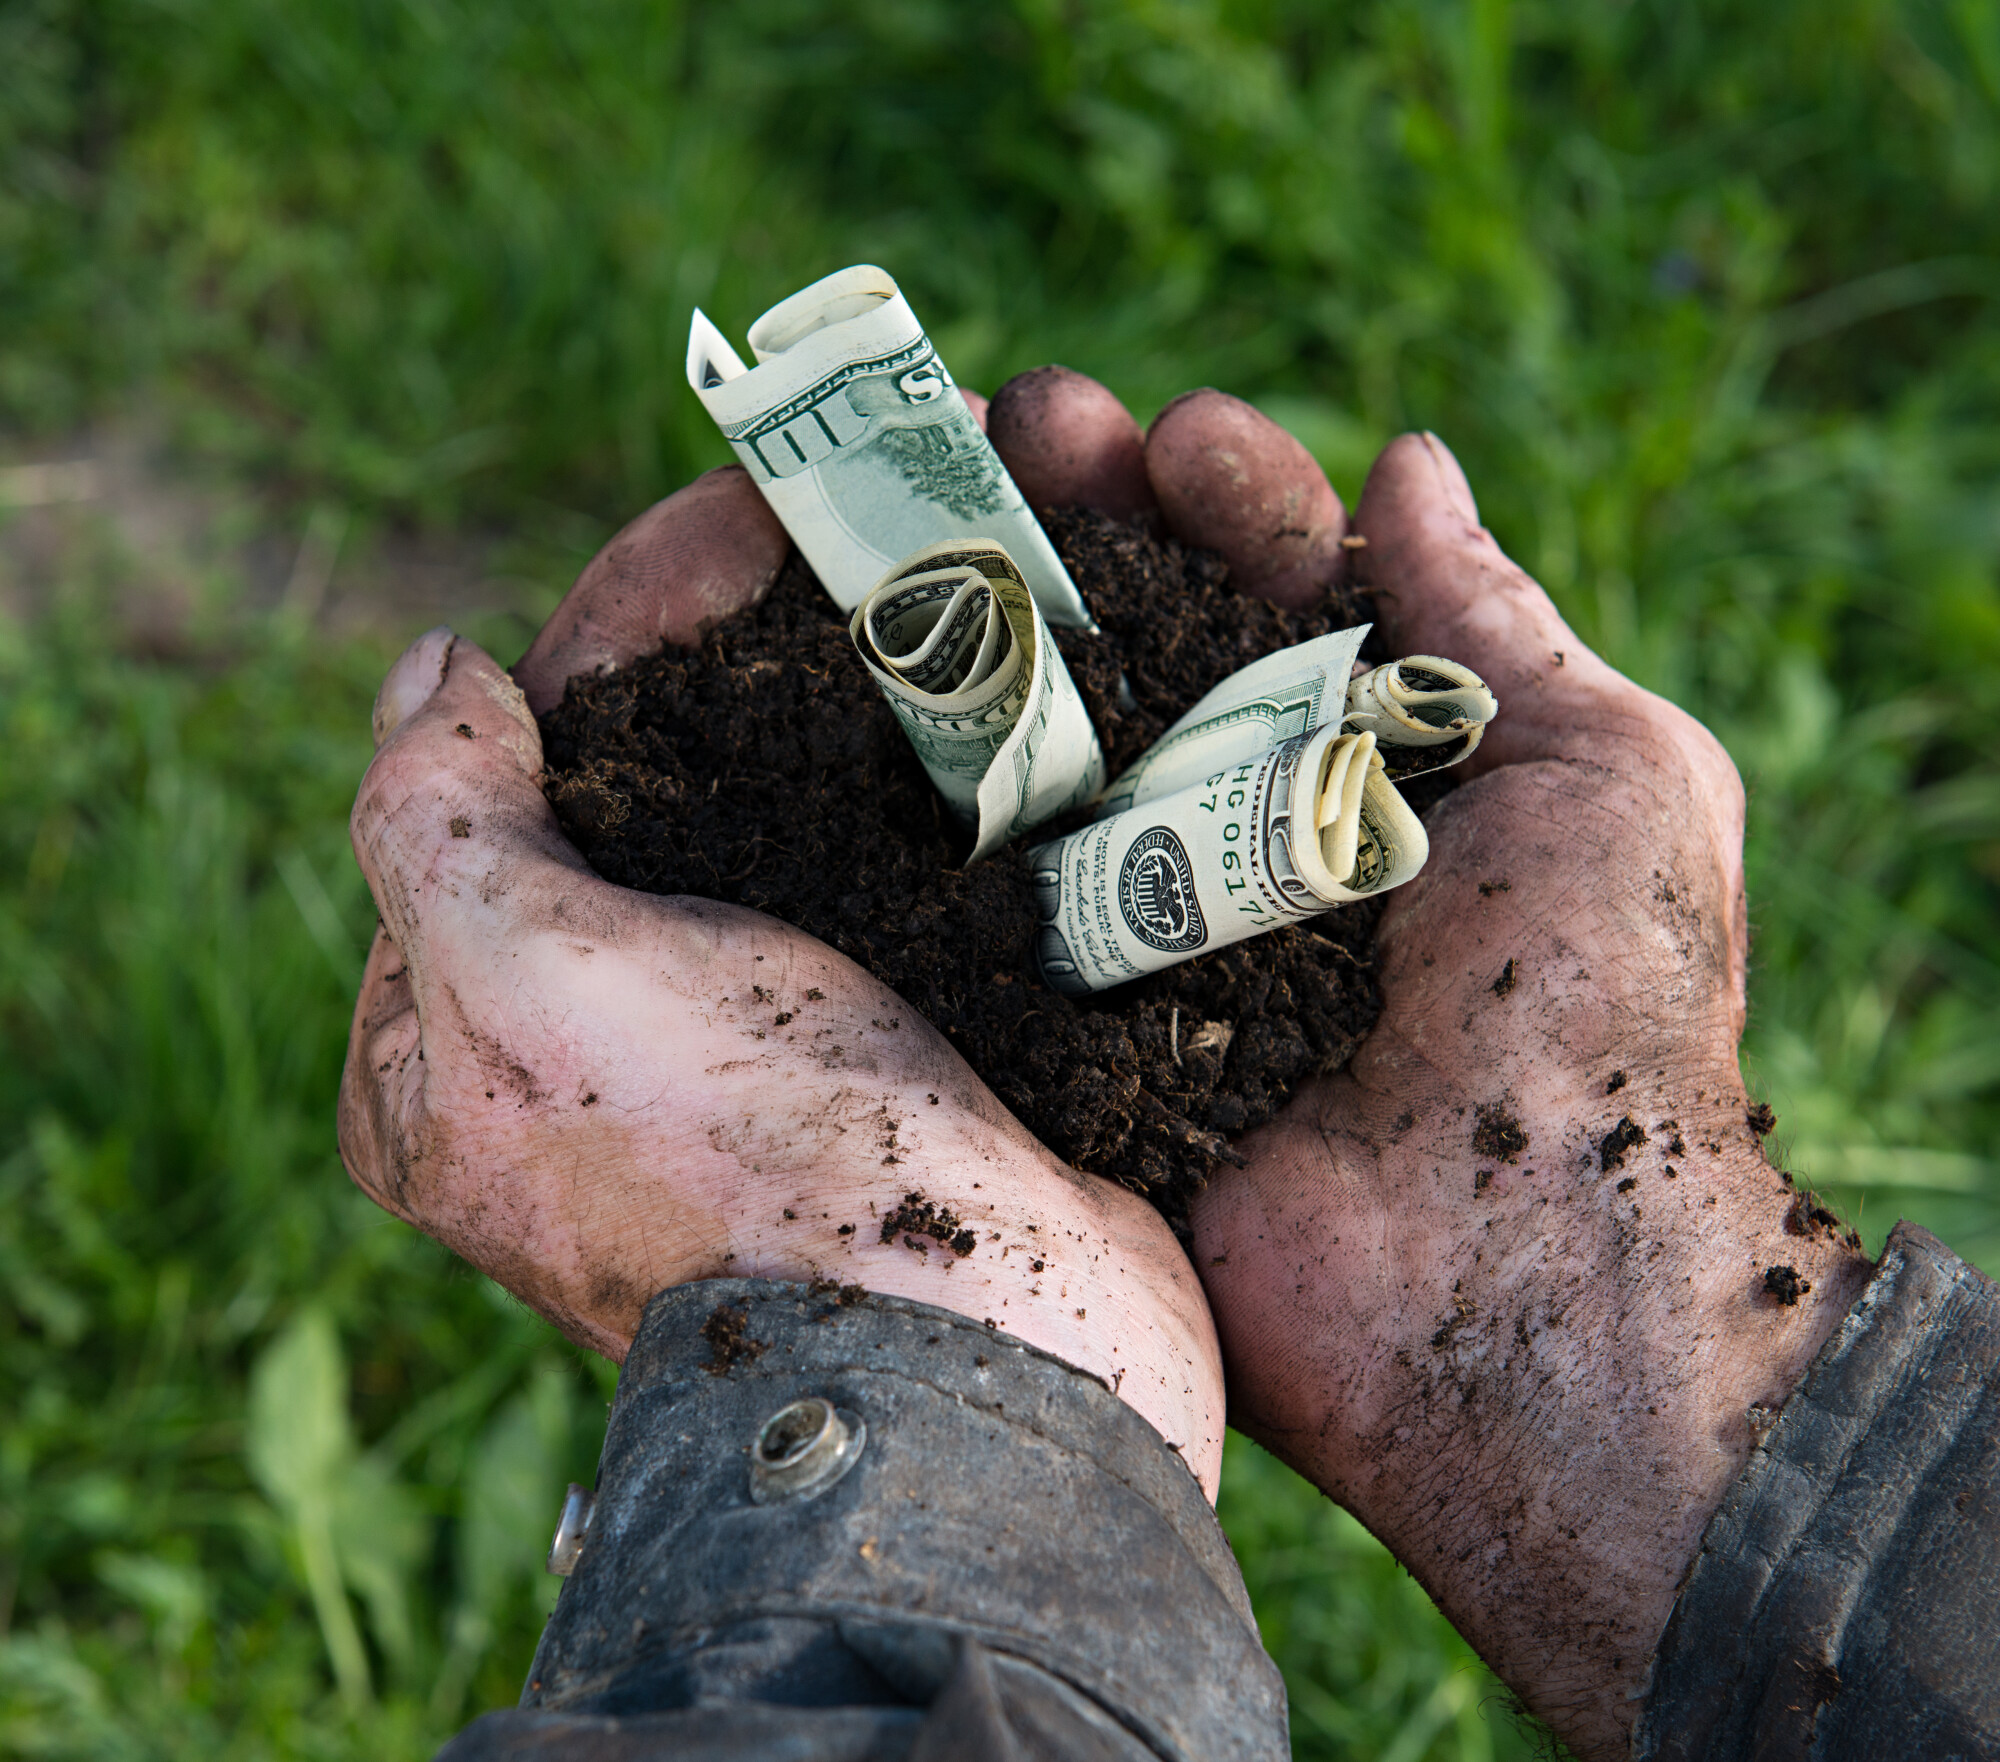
(579, 1506)
(803, 1449)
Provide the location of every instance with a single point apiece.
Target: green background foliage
(1702, 294)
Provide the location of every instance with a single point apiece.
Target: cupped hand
(1501, 1287)
(592, 1094)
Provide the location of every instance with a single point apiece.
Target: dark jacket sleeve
(1845, 1604)
(837, 1526)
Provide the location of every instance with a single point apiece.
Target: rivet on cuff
(803, 1449)
(579, 1504)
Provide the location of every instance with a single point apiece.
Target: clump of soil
(763, 768)
(1805, 1214)
(1497, 1133)
(1784, 1283)
(1611, 1148)
(727, 1332)
(918, 1217)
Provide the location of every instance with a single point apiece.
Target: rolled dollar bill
(1290, 692)
(1421, 701)
(1291, 833)
(957, 644)
(850, 426)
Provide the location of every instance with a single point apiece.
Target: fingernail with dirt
(418, 672)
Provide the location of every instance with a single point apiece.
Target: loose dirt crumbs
(1611, 1148)
(764, 769)
(1498, 1134)
(1784, 1283)
(918, 1217)
(729, 1342)
(1761, 1119)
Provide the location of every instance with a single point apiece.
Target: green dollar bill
(854, 432)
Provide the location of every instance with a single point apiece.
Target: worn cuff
(836, 1524)
(1845, 1604)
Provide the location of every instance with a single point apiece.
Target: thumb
(1443, 587)
(450, 809)
(418, 672)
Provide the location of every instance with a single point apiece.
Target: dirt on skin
(1498, 1134)
(1784, 1283)
(764, 769)
(1611, 1148)
(918, 1218)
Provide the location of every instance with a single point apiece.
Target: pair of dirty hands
(1525, 1357)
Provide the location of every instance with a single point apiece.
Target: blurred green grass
(1703, 295)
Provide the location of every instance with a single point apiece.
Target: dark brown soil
(764, 769)
(917, 1218)
(1498, 1134)
(1611, 1148)
(729, 1342)
(1784, 1283)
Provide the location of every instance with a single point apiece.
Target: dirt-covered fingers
(706, 551)
(1230, 479)
(1217, 472)
(449, 818)
(1069, 442)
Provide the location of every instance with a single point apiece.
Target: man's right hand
(1499, 1287)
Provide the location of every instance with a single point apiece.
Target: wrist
(1071, 1265)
